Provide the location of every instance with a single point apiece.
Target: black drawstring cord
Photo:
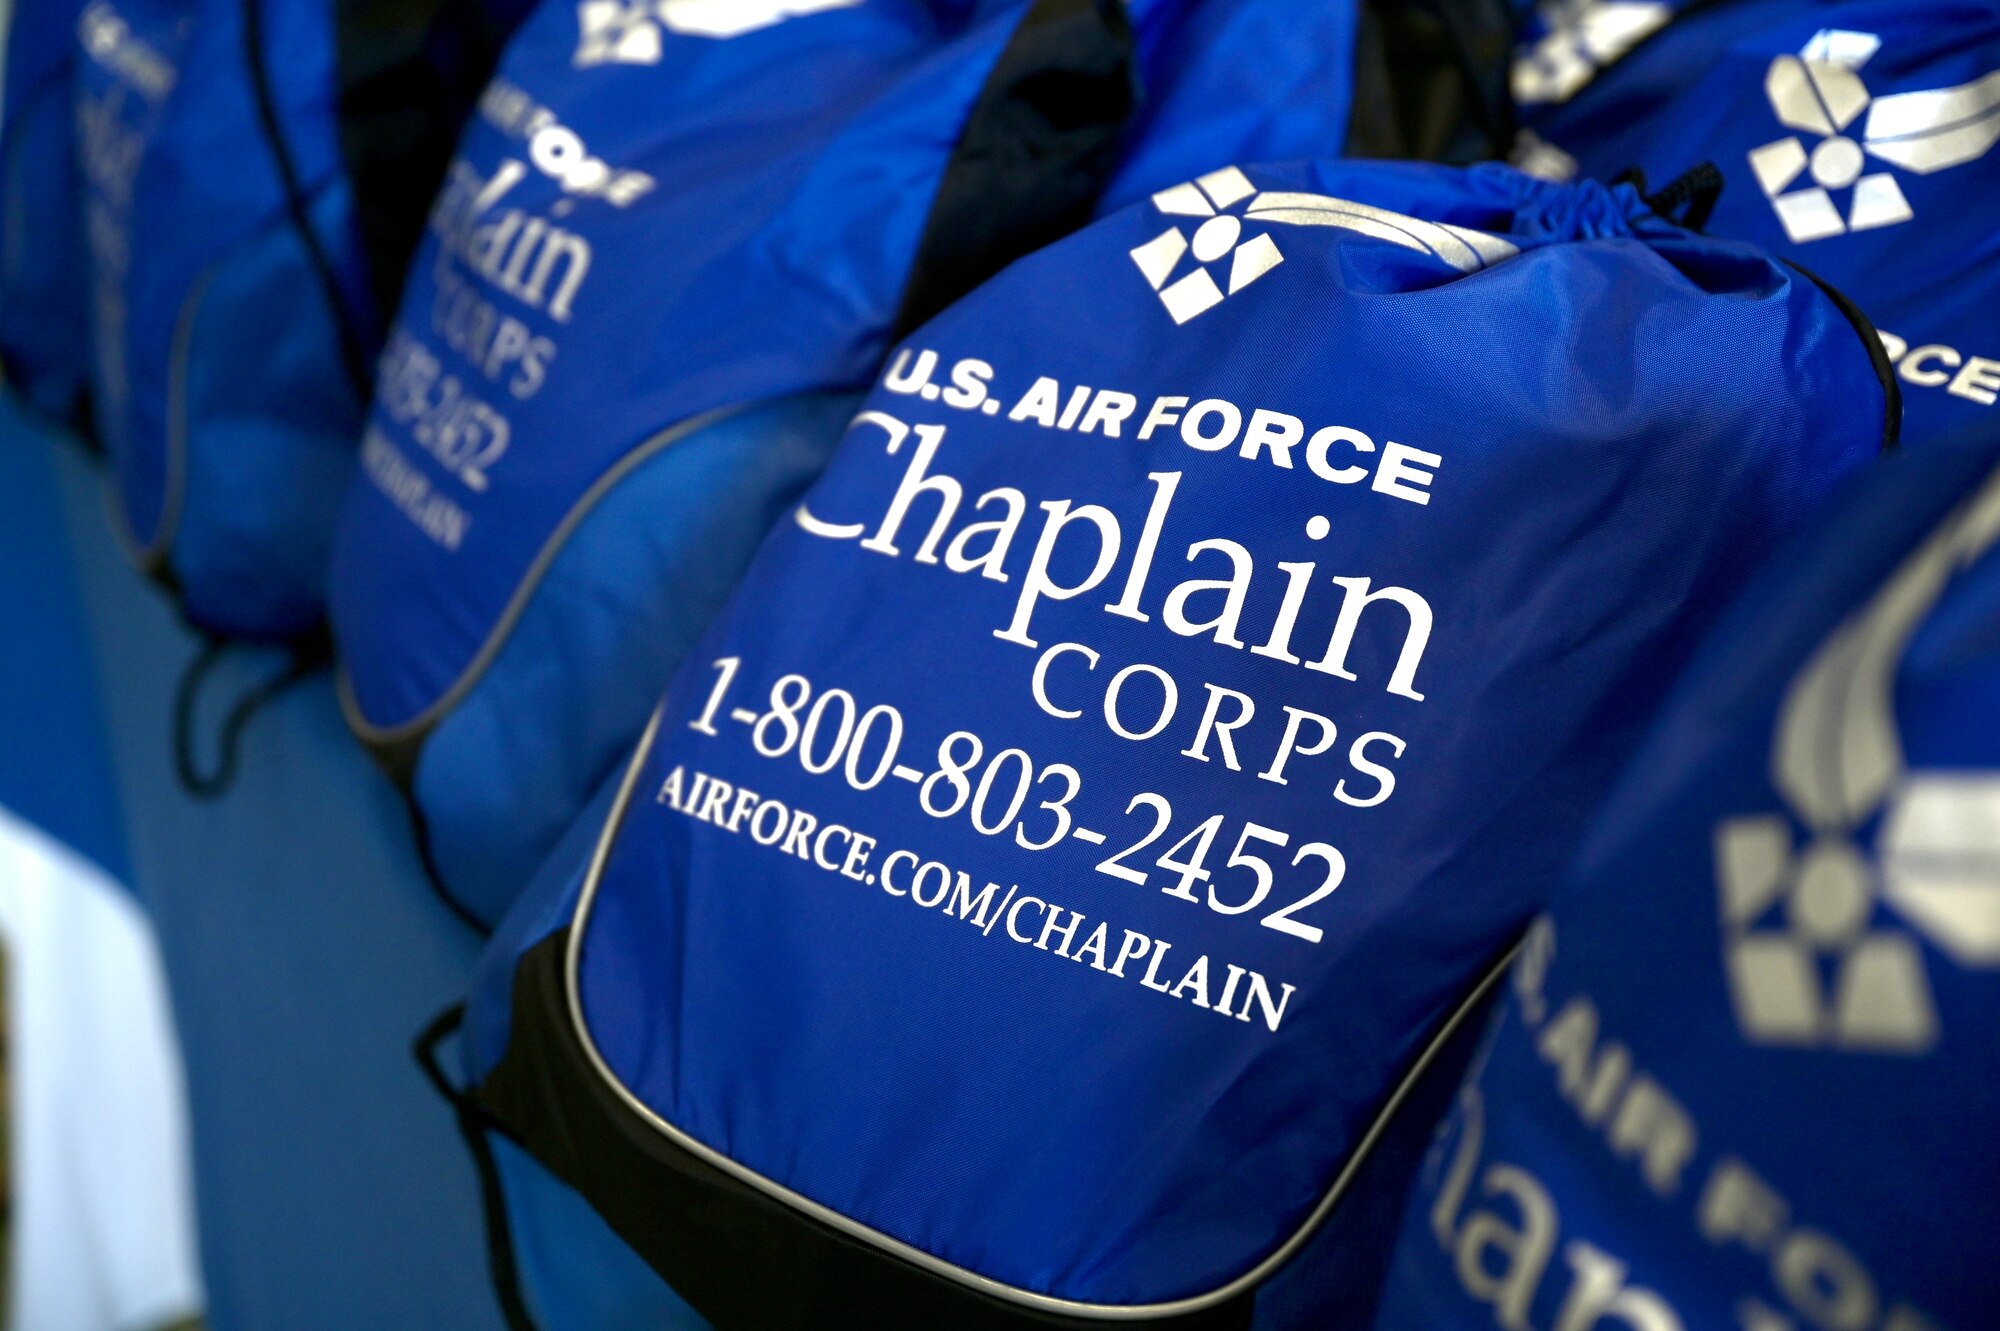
(1694, 192)
(1871, 342)
(420, 830)
(352, 358)
(473, 1125)
(307, 657)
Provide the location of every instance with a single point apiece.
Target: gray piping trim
(916, 1256)
(503, 628)
(152, 556)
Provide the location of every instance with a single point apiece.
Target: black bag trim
(1688, 200)
(409, 73)
(306, 655)
(1430, 81)
(1036, 152)
(1878, 354)
(749, 1252)
(1029, 164)
(420, 838)
(743, 1259)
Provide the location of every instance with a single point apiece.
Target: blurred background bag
(1747, 1067)
(912, 978)
(1856, 138)
(238, 261)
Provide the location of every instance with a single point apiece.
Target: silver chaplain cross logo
(1232, 247)
(1820, 93)
(1810, 959)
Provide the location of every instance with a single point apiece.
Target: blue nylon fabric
(1561, 45)
(544, 906)
(213, 339)
(575, 1272)
(1041, 1120)
(506, 770)
(1697, 91)
(768, 260)
(773, 239)
(1868, 1162)
(1336, 1279)
(1232, 81)
(44, 329)
(275, 446)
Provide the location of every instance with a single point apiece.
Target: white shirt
(103, 1214)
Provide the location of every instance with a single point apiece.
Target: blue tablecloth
(303, 948)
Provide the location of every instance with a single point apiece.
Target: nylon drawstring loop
(306, 658)
(473, 1126)
(1688, 200)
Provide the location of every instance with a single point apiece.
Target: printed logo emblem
(1811, 960)
(628, 32)
(1820, 92)
(1583, 36)
(109, 40)
(1226, 233)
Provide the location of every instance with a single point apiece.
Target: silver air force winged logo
(1811, 960)
(1580, 38)
(628, 32)
(1820, 93)
(1235, 224)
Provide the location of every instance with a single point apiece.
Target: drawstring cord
(1694, 193)
(473, 1125)
(307, 657)
(352, 358)
(420, 830)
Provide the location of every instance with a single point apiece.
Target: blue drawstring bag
(1101, 793)
(670, 256)
(221, 319)
(1857, 139)
(233, 306)
(44, 319)
(1747, 1073)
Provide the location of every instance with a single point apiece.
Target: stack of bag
(1015, 643)
(252, 173)
(1856, 139)
(670, 256)
(1745, 1076)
